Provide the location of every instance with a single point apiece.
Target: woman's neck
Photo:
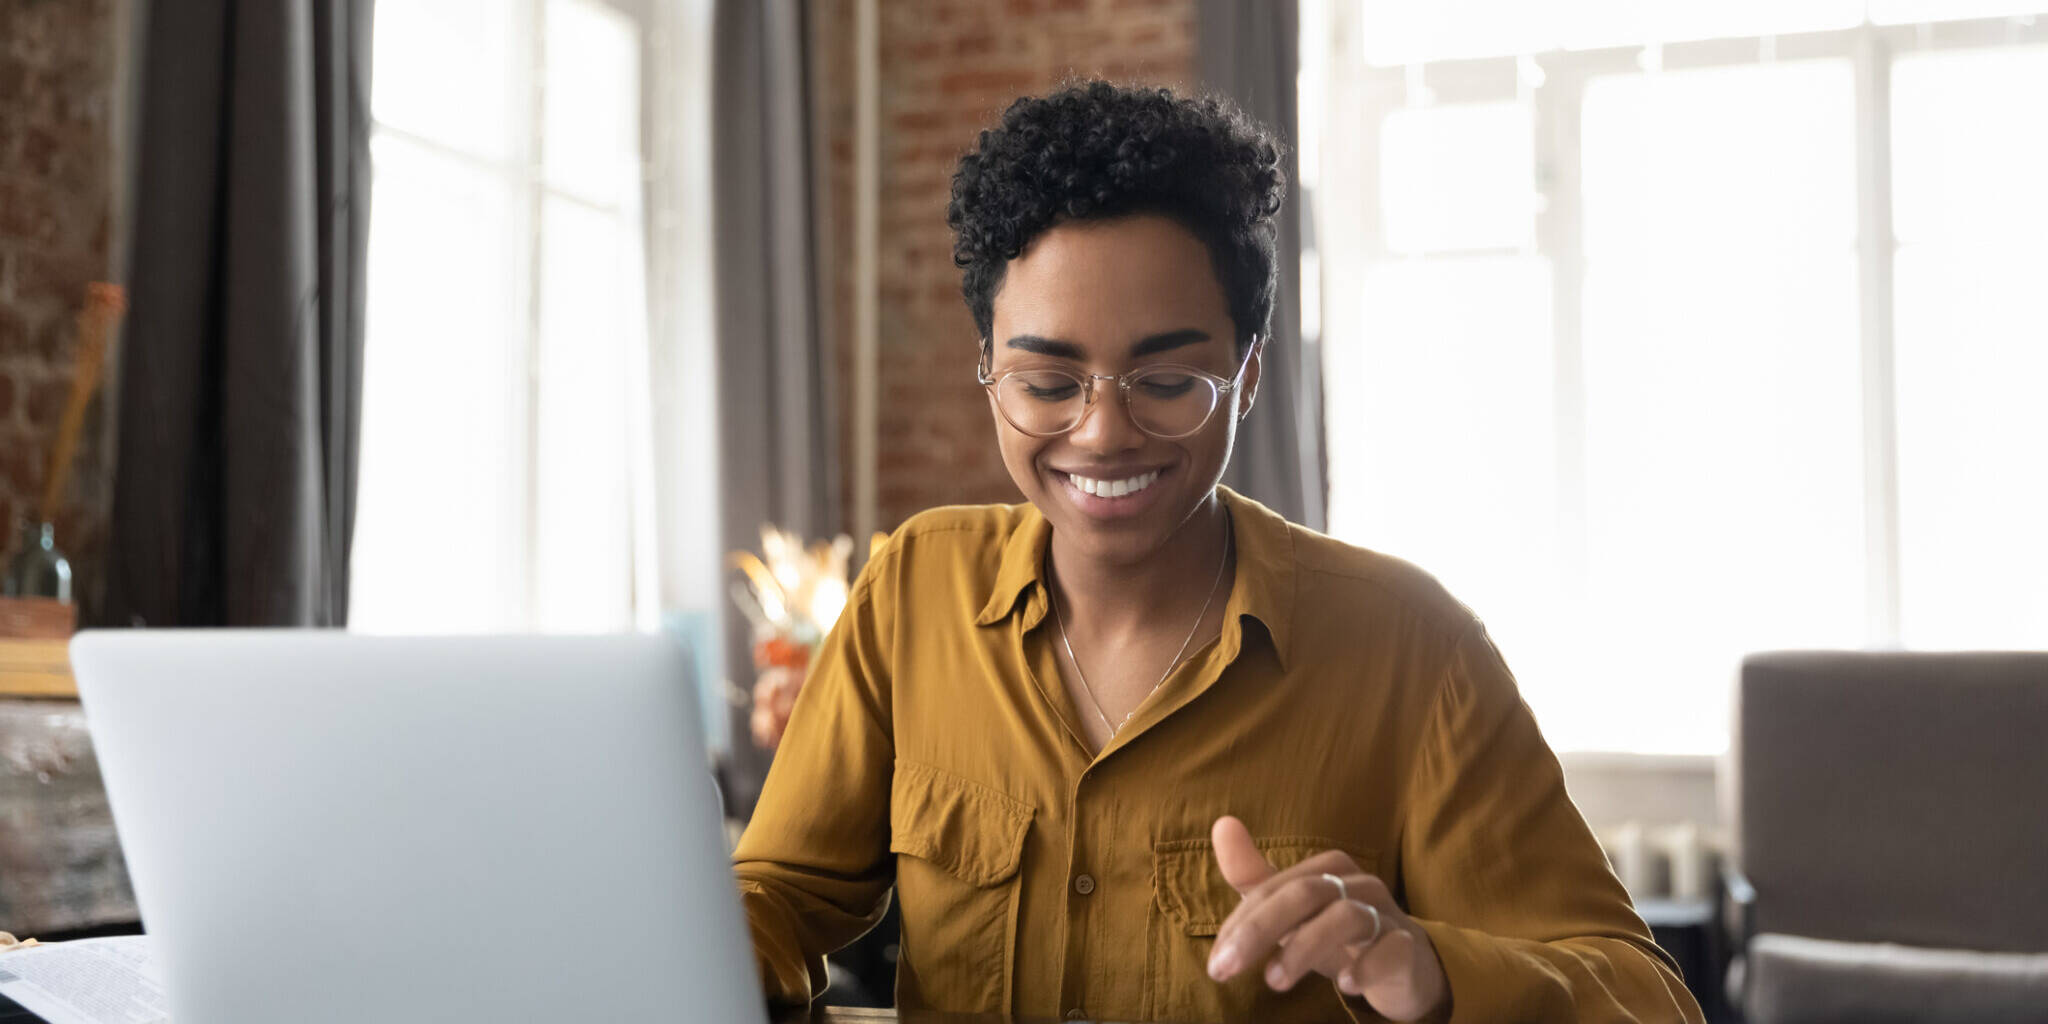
(1123, 598)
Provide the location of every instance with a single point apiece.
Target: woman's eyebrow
(1046, 346)
(1146, 346)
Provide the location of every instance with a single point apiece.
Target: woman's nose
(1106, 424)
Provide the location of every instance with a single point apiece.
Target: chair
(1893, 817)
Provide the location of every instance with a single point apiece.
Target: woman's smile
(1111, 493)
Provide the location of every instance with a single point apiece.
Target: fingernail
(1345, 984)
(1276, 976)
(1223, 963)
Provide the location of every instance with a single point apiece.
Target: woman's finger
(1243, 866)
(1323, 944)
(1332, 862)
(1252, 931)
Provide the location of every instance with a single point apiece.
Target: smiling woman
(1140, 748)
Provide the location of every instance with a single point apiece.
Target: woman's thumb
(1242, 864)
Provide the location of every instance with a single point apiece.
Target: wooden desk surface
(849, 1015)
(12, 1013)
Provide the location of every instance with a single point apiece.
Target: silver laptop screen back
(323, 826)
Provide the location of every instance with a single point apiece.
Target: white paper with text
(90, 981)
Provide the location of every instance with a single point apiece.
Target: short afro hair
(1093, 151)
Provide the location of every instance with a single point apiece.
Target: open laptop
(329, 827)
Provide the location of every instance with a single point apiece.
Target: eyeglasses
(1166, 401)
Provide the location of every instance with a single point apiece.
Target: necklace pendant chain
(1066, 642)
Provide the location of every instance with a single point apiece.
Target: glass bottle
(38, 569)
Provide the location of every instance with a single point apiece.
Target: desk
(60, 864)
(847, 1015)
(12, 1013)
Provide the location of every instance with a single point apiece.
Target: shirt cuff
(1480, 976)
(786, 973)
(1361, 1012)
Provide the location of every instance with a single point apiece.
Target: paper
(90, 981)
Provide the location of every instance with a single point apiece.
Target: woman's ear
(1249, 388)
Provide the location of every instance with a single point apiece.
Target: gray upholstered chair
(1893, 816)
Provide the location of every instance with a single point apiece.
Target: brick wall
(57, 96)
(948, 68)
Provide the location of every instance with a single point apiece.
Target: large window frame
(521, 170)
(1350, 236)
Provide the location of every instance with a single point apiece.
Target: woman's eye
(1051, 392)
(1166, 385)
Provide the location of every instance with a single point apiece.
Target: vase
(38, 569)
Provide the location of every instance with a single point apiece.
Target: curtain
(1247, 51)
(240, 381)
(776, 459)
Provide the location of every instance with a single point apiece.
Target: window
(1666, 333)
(505, 448)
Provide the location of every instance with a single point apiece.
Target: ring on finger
(1344, 896)
(1377, 922)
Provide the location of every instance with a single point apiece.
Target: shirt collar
(1263, 590)
(1022, 567)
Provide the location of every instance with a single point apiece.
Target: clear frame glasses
(1167, 401)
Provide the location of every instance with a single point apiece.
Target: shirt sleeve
(813, 865)
(1504, 876)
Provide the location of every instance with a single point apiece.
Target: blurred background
(1664, 333)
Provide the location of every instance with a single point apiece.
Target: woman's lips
(1133, 502)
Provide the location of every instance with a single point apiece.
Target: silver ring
(1377, 924)
(1344, 896)
(1342, 892)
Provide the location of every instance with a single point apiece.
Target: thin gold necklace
(1053, 594)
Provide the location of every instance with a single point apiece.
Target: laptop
(329, 827)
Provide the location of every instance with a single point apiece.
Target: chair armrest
(1739, 904)
(1738, 927)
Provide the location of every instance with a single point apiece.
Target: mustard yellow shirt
(1348, 703)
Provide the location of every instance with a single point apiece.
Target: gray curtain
(775, 446)
(240, 378)
(1247, 50)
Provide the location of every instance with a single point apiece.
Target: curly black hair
(1094, 150)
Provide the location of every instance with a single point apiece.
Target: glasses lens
(1170, 402)
(1041, 401)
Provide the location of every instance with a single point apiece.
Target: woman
(1140, 748)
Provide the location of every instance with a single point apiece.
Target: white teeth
(1113, 488)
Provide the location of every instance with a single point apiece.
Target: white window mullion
(1560, 238)
(534, 17)
(1875, 250)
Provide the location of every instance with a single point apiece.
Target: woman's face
(1106, 297)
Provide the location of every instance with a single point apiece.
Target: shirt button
(1083, 884)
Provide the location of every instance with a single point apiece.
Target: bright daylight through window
(505, 441)
(1663, 334)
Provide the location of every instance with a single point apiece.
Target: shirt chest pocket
(959, 845)
(1190, 902)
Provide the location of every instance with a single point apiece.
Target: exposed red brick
(21, 472)
(916, 121)
(46, 401)
(948, 69)
(57, 82)
(970, 45)
(990, 80)
(27, 214)
(14, 333)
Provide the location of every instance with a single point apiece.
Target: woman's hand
(1306, 925)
